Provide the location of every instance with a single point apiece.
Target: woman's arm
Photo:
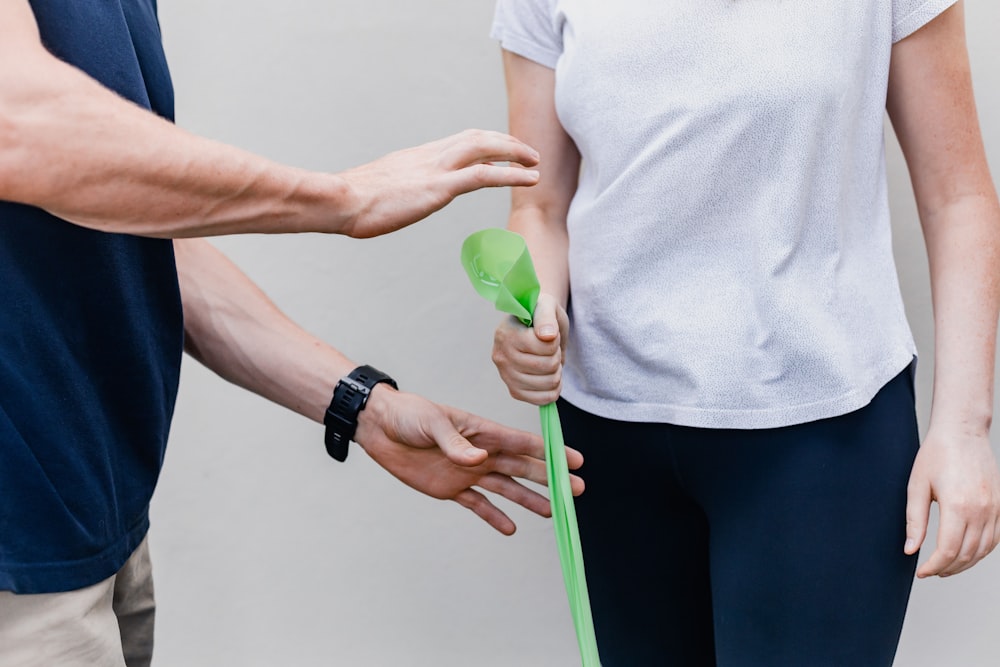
(78, 150)
(530, 361)
(540, 214)
(933, 112)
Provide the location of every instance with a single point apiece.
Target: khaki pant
(109, 624)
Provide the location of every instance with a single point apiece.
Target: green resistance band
(500, 268)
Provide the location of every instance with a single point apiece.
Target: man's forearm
(235, 330)
(76, 149)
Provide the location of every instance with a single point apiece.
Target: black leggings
(766, 548)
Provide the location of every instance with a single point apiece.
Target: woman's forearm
(963, 245)
(549, 246)
(933, 112)
(539, 214)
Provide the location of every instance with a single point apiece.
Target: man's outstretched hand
(444, 452)
(406, 186)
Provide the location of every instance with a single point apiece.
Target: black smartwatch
(349, 398)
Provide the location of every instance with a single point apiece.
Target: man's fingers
(534, 470)
(518, 493)
(525, 467)
(489, 176)
(485, 510)
(574, 459)
(480, 146)
(497, 438)
(470, 161)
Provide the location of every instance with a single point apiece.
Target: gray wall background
(268, 553)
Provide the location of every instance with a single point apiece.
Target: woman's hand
(960, 473)
(530, 359)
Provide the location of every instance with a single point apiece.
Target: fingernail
(547, 330)
(910, 543)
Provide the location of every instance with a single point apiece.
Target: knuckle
(542, 365)
(481, 173)
(553, 365)
(961, 506)
(948, 554)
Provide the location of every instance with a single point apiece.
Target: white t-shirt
(730, 254)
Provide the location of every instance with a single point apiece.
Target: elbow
(33, 104)
(11, 150)
(23, 165)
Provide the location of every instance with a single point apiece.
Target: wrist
(969, 424)
(326, 203)
(376, 412)
(347, 203)
(350, 398)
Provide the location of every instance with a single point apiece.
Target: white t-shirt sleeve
(908, 16)
(529, 29)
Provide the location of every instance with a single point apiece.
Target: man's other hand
(444, 453)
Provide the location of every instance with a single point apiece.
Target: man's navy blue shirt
(91, 335)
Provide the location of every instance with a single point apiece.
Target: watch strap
(349, 398)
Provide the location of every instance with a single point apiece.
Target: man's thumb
(458, 450)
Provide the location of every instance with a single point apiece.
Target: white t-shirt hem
(859, 397)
